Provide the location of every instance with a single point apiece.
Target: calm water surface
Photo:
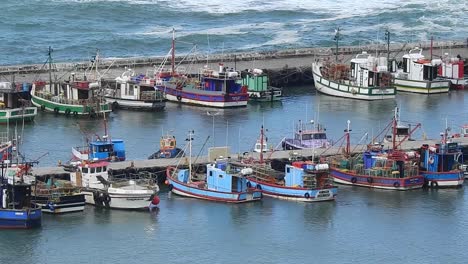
(361, 226)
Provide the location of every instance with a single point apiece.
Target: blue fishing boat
(208, 88)
(302, 181)
(101, 149)
(167, 149)
(440, 164)
(392, 169)
(221, 182)
(18, 211)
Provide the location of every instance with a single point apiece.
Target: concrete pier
(159, 165)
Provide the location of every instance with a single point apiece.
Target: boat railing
(62, 100)
(151, 95)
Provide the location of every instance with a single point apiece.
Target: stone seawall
(288, 66)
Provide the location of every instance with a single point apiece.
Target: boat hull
(349, 91)
(9, 115)
(64, 204)
(204, 99)
(118, 103)
(186, 190)
(20, 219)
(401, 184)
(294, 194)
(67, 109)
(118, 201)
(266, 96)
(444, 179)
(422, 87)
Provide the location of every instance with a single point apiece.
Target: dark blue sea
(361, 226)
(136, 28)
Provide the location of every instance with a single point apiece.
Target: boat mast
(261, 145)
(394, 127)
(387, 36)
(432, 40)
(49, 59)
(173, 52)
(190, 154)
(336, 39)
(348, 145)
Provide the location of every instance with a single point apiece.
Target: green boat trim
(15, 114)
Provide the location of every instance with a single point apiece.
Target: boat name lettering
(236, 98)
(19, 213)
(322, 194)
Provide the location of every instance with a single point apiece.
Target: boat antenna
(173, 52)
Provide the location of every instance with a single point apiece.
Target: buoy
(166, 182)
(155, 200)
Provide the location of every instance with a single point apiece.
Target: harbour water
(136, 28)
(361, 226)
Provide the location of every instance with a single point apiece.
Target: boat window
(98, 169)
(104, 169)
(211, 173)
(92, 170)
(84, 170)
(287, 170)
(307, 136)
(220, 175)
(320, 136)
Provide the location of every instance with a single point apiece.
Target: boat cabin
(441, 157)
(225, 80)
(416, 67)
(369, 71)
(305, 174)
(107, 150)
(88, 174)
(219, 177)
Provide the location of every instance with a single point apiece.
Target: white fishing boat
(420, 75)
(136, 92)
(366, 78)
(117, 193)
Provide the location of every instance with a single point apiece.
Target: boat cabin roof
(105, 142)
(95, 164)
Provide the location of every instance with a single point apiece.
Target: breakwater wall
(289, 66)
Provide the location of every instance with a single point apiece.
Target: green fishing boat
(77, 97)
(258, 86)
(14, 103)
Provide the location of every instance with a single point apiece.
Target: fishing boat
(134, 192)
(208, 88)
(100, 148)
(441, 164)
(71, 97)
(18, 209)
(258, 86)
(367, 78)
(135, 92)
(15, 104)
(303, 181)
(452, 69)
(167, 148)
(393, 169)
(420, 75)
(51, 194)
(221, 182)
(306, 136)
